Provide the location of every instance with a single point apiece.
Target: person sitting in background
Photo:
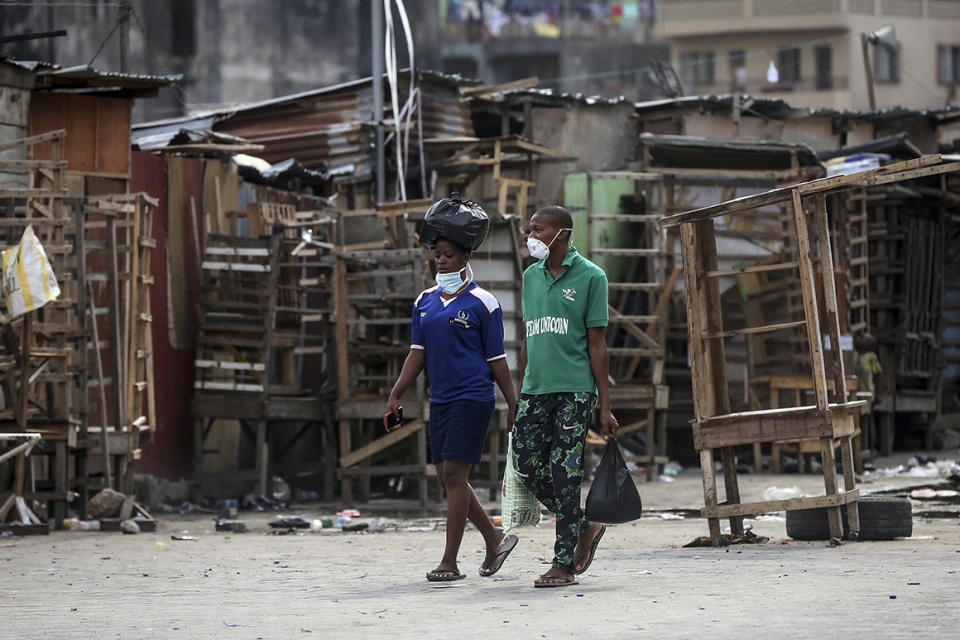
(866, 364)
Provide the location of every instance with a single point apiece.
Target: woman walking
(457, 335)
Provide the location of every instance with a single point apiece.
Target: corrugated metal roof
(767, 107)
(329, 127)
(86, 78)
(704, 153)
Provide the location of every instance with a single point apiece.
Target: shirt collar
(568, 260)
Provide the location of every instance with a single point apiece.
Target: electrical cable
(105, 40)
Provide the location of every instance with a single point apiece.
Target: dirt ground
(371, 585)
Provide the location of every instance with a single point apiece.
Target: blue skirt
(458, 430)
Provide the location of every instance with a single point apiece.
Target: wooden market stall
(832, 419)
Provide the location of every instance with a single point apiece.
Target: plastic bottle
(74, 524)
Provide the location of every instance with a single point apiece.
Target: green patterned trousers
(549, 434)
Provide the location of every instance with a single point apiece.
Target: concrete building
(228, 51)
(723, 46)
(599, 48)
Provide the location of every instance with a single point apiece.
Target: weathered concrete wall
(15, 85)
(229, 51)
(600, 137)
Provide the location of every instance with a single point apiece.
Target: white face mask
(452, 282)
(538, 249)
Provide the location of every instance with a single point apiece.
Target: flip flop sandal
(506, 546)
(593, 549)
(555, 581)
(445, 575)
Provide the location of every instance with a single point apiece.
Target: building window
(738, 70)
(707, 69)
(823, 56)
(697, 69)
(788, 64)
(948, 64)
(887, 64)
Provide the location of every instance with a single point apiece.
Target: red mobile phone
(393, 421)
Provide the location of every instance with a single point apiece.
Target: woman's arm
(597, 349)
(501, 373)
(412, 367)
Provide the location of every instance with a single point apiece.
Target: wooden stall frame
(714, 427)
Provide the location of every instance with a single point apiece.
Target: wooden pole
(101, 392)
(116, 342)
(24, 397)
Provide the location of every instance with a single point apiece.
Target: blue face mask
(450, 283)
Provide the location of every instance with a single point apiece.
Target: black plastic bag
(462, 221)
(613, 498)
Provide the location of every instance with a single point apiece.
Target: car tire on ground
(881, 518)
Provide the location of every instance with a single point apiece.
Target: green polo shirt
(557, 314)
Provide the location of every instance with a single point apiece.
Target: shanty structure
(833, 418)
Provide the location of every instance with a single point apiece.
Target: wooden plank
(729, 460)
(714, 361)
(101, 392)
(43, 137)
(737, 205)
(847, 450)
(709, 478)
(830, 299)
(855, 179)
(26, 165)
(784, 428)
(428, 470)
(631, 328)
(896, 172)
(811, 314)
(756, 268)
(773, 506)
(752, 330)
(23, 447)
(783, 412)
(830, 485)
(381, 443)
(709, 305)
(34, 193)
(692, 287)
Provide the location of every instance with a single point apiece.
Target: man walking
(563, 364)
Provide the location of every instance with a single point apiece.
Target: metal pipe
(376, 32)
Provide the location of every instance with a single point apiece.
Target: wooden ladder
(642, 299)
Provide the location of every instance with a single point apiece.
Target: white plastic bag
(518, 505)
(28, 279)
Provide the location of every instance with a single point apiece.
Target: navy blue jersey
(461, 337)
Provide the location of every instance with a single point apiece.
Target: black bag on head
(461, 221)
(613, 497)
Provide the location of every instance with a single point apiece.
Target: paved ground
(370, 585)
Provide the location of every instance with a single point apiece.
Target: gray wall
(229, 51)
(15, 85)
